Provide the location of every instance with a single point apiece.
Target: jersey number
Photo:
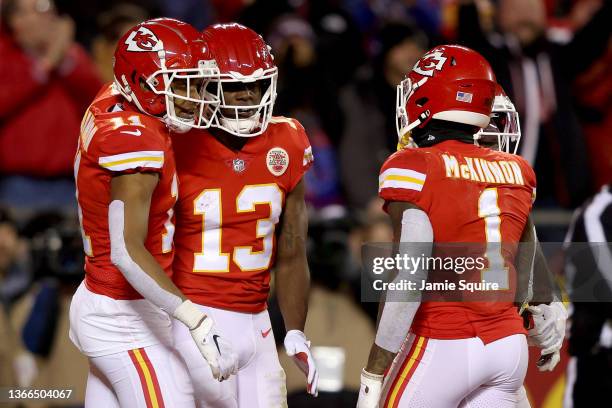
(208, 204)
(488, 209)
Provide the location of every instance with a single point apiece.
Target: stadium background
(339, 61)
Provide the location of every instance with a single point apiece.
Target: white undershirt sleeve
(133, 273)
(400, 308)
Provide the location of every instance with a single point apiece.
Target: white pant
(100, 325)
(149, 377)
(465, 373)
(131, 358)
(260, 382)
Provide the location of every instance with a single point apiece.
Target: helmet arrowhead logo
(143, 40)
(433, 61)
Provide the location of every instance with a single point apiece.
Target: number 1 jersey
(472, 195)
(229, 206)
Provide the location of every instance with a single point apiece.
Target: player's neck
(232, 142)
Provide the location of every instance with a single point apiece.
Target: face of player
(184, 108)
(241, 94)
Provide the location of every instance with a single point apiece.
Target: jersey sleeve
(303, 158)
(403, 177)
(131, 149)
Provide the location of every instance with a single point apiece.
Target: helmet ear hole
(143, 84)
(421, 102)
(453, 61)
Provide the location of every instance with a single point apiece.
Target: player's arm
(412, 235)
(293, 282)
(411, 227)
(292, 273)
(128, 219)
(549, 315)
(128, 223)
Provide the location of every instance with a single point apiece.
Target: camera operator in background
(48, 81)
(14, 279)
(40, 267)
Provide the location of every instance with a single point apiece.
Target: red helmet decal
(143, 40)
(430, 62)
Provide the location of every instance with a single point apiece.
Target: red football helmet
(157, 59)
(243, 57)
(451, 83)
(504, 129)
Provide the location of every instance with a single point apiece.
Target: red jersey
(471, 194)
(116, 139)
(229, 206)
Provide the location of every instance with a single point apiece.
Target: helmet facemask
(504, 130)
(246, 120)
(190, 99)
(403, 125)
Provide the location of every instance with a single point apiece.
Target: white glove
(549, 326)
(370, 389)
(548, 333)
(215, 349)
(298, 347)
(549, 361)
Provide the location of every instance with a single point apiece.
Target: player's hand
(298, 347)
(370, 389)
(548, 333)
(547, 362)
(217, 351)
(549, 326)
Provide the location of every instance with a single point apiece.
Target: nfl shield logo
(238, 165)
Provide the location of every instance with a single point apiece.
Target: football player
(126, 189)
(450, 189)
(241, 213)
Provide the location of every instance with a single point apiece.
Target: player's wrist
(367, 376)
(189, 314)
(296, 333)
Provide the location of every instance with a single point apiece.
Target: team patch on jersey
(401, 178)
(277, 161)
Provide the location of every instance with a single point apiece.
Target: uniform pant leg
(505, 362)
(147, 377)
(262, 382)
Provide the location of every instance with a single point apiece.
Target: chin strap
(407, 129)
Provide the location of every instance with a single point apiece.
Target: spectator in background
(304, 93)
(48, 82)
(536, 72)
(593, 92)
(368, 106)
(112, 24)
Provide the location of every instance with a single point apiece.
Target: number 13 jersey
(229, 206)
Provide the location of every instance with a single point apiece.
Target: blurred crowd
(339, 64)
